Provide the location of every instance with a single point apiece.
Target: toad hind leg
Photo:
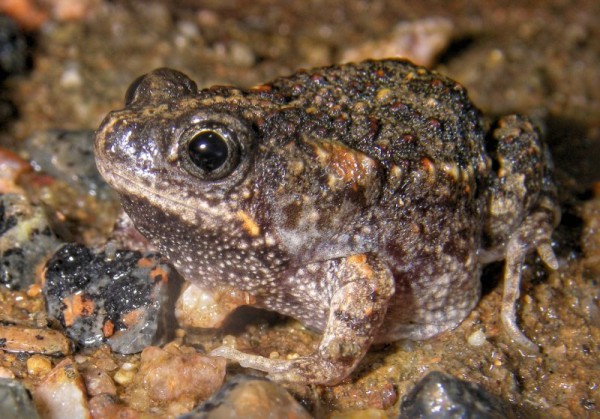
(357, 310)
(523, 209)
(535, 233)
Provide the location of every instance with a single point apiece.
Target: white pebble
(477, 338)
(71, 77)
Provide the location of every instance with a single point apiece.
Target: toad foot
(535, 233)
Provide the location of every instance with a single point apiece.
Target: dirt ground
(537, 58)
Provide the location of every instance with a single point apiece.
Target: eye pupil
(208, 150)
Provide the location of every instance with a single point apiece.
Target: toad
(361, 199)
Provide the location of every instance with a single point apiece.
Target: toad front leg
(363, 287)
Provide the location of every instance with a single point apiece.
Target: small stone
(80, 358)
(124, 299)
(6, 373)
(67, 156)
(251, 398)
(34, 341)
(67, 10)
(124, 377)
(419, 41)
(27, 13)
(177, 377)
(105, 406)
(13, 48)
(103, 359)
(34, 290)
(476, 338)
(98, 382)
(201, 308)
(128, 366)
(15, 401)
(11, 167)
(26, 241)
(361, 414)
(71, 77)
(174, 373)
(440, 395)
(80, 204)
(38, 365)
(62, 393)
(241, 54)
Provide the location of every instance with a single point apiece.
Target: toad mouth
(127, 186)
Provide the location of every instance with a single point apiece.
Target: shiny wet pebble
(121, 298)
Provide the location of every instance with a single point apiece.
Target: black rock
(15, 401)
(14, 58)
(26, 241)
(13, 48)
(249, 397)
(442, 396)
(68, 156)
(80, 206)
(124, 298)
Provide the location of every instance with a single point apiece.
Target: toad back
(361, 199)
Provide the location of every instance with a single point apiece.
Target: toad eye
(208, 150)
(213, 154)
